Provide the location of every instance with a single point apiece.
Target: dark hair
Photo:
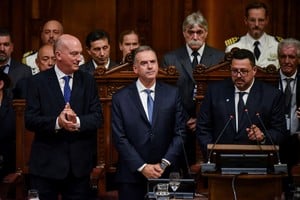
(5, 32)
(127, 32)
(240, 54)
(256, 5)
(141, 49)
(96, 35)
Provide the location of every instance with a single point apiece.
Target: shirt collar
(283, 77)
(106, 66)
(60, 74)
(141, 87)
(200, 50)
(247, 90)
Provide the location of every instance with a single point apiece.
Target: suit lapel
(135, 97)
(186, 63)
(230, 104)
(54, 85)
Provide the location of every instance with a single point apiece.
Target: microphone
(279, 167)
(250, 121)
(208, 166)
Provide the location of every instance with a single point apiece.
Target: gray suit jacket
(186, 83)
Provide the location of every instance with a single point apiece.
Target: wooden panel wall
(159, 22)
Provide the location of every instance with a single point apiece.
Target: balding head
(45, 57)
(68, 51)
(51, 31)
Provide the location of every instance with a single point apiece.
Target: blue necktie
(67, 89)
(149, 104)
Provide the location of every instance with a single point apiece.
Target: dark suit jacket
(218, 105)
(18, 71)
(7, 137)
(55, 154)
(136, 140)
(90, 68)
(186, 83)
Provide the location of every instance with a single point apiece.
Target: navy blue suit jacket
(56, 153)
(218, 105)
(186, 83)
(137, 141)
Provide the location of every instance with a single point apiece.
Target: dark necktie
(149, 104)
(241, 108)
(67, 89)
(2, 68)
(195, 59)
(288, 96)
(256, 50)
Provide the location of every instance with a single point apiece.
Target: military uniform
(29, 59)
(268, 48)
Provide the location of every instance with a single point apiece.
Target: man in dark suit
(8, 129)
(64, 115)
(288, 57)
(195, 51)
(98, 47)
(223, 99)
(15, 70)
(147, 144)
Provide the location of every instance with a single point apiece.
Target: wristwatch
(164, 165)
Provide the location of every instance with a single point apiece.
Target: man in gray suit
(195, 51)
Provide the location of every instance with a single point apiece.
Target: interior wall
(159, 22)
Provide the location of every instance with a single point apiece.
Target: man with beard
(51, 30)
(228, 98)
(263, 46)
(15, 70)
(194, 52)
(98, 47)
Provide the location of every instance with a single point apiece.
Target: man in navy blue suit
(221, 102)
(149, 142)
(64, 115)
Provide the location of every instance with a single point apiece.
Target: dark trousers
(70, 188)
(132, 191)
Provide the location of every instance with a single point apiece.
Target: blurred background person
(128, 41)
(263, 46)
(98, 47)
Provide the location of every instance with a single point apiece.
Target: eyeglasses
(243, 72)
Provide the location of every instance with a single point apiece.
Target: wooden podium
(243, 186)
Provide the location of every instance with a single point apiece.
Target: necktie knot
(67, 89)
(149, 104)
(256, 49)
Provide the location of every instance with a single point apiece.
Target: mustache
(194, 42)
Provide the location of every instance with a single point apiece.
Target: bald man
(45, 57)
(51, 30)
(64, 111)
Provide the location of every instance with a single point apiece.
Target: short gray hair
(289, 42)
(141, 49)
(195, 18)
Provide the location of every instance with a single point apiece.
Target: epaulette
(231, 41)
(29, 53)
(278, 39)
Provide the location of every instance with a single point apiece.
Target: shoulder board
(278, 39)
(29, 53)
(231, 41)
